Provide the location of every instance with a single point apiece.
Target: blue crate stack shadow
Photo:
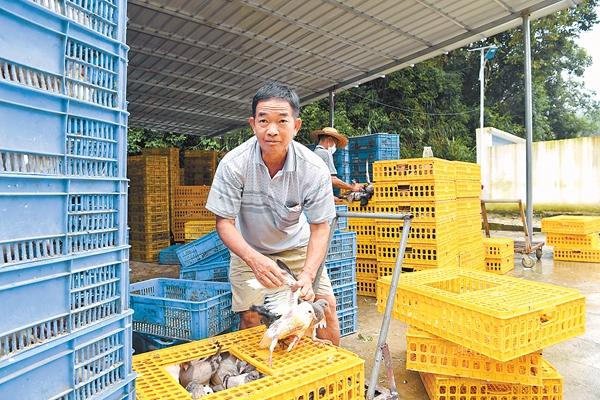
(64, 264)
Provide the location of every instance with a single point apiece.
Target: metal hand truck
(382, 347)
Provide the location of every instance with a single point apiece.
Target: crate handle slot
(548, 316)
(495, 388)
(403, 188)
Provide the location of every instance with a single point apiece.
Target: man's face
(274, 126)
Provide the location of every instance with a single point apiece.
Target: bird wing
(280, 300)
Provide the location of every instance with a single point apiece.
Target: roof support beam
(443, 14)
(189, 111)
(528, 128)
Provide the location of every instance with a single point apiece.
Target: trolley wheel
(538, 254)
(527, 261)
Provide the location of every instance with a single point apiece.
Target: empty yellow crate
(413, 169)
(500, 265)
(308, 371)
(356, 207)
(364, 227)
(366, 249)
(387, 268)
(580, 242)
(442, 387)
(468, 207)
(429, 353)
(499, 316)
(592, 256)
(498, 247)
(367, 268)
(468, 189)
(196, 228)
(366, 287)
(571, 224)
(422, 211)
(415, 191)
(420, 232)
(422, 254)
(467, 170)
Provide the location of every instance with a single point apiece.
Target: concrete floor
(577, 359)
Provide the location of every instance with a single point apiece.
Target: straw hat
(340, 138)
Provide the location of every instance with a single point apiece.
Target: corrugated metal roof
(194, 65)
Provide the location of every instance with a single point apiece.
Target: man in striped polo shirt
(273, 200)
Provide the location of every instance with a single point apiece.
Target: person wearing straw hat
(328, 140)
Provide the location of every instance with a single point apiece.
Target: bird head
(319, 307)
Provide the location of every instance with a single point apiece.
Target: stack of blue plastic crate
(370, 148)
(65, 325)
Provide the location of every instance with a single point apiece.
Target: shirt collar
(290, 159)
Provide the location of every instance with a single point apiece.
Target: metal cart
(524, 247)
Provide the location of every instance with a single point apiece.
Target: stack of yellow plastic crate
(366, 258)
(172, 154)
(307, 372)
(189, 206)
(476, 335)
(499, 254)
(200, 167)
(575, 238)
(196, 228)
(148, 214)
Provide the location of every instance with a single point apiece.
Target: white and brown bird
(287, 316)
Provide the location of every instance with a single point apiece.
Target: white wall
(564, 171)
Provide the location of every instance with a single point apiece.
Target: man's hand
(356, 187)
(266, 271)
(304, 284)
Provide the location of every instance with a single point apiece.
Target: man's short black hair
(274, 90)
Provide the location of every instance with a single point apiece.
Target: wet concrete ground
(577, 359)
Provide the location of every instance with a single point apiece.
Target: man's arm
(315, 254)
(266, 270)
(340, 184)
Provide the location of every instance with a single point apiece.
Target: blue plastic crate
(43, 301)
(122, 391)
(168, 256)
(202, 271)
(42, 221)
(106, 17)
(342, 222)
(348, 321)
(345, 296)
(358, 159)
(61, 58)
(341, 272)
(341, 157)
(91, 363)
(207, 248)
(343, 245)
(376, 140)
(181, 309)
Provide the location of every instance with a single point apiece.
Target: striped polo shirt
(269, 212)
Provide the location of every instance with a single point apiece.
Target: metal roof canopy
(195, 65)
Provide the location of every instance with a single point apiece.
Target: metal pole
(387, 316)
(481, 100)
(528, 126)
(331, 106)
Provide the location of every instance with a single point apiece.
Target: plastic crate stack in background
(66, 325)
(200, 167)
(424, 187)
(198, 228)
(148, 206)
(452, 353)
(574, 238)
(189, 205)
(368, 149)
(468, 201)
(499, 254)
(172, 155)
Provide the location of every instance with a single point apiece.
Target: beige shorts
(244, 296)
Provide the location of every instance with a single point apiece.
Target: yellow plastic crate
(364, 227)
(308, 371)
(422, 211)
(467, 170)
(498, 247)
(468, 207)
(366, 268)
(432, 354)
(421, 254)
(468, 189)
(580, 242)
(190, 197)
(196, 228)
(442, 387)
(366, 249)
(415, 191)
(387, 268)
(413, 169)
(366, 287)
(571, 224)
(592, 256)
(497, 315)
(420, 232)
(500, 265)
(356, 207)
